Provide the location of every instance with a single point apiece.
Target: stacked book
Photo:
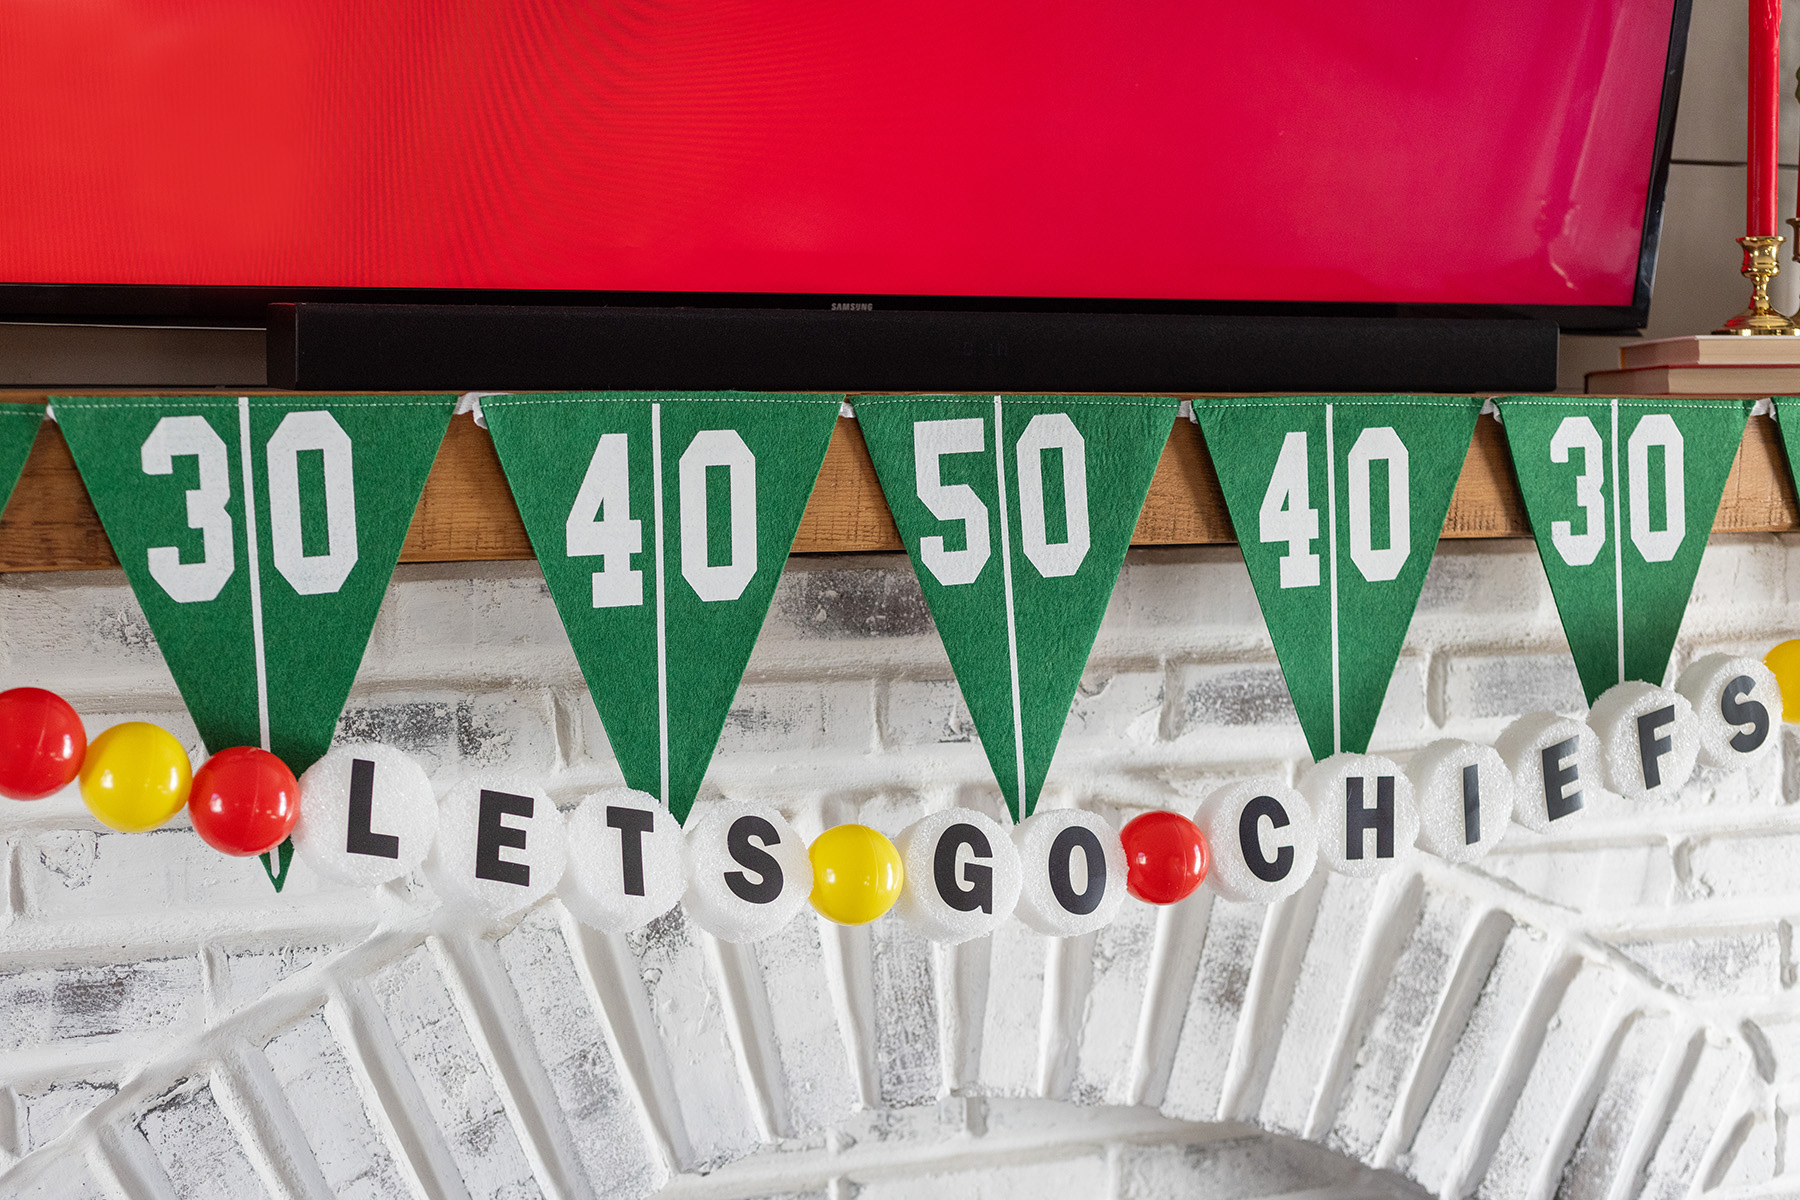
(1705, 365)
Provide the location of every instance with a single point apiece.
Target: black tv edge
(393, 347)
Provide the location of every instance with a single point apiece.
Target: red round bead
(1165, 857)
(244, 801)
(42, 743)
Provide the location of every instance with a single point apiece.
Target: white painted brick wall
(1588, 1013)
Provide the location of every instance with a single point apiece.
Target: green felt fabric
(275, 863)
(19, 424)
(1620, 568)
(1317, 481)
(1787, 421)
(312, 639)
(628, 576)
(1019, 621)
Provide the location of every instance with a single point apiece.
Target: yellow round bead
(857, 874)
(135, 776)
(1784, 661)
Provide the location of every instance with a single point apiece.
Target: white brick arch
(1411, 1024)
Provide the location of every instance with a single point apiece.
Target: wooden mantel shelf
(467, 514)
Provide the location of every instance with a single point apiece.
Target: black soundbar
(401, 347)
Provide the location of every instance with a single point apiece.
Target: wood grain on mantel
(467, 514)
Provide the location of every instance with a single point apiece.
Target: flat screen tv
(205, 158)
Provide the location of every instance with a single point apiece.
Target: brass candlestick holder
(1795, 223)
(1760, 267)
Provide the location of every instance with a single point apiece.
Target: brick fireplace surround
(1606, 1011)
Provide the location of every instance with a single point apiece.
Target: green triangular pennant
(263, 623)
(662, 614)
(19, 424)
(1787, 421)
(1338, 502)
(277, 861)
(1621, 598)
(1017, 589)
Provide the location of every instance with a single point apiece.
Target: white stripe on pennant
(1618, 536)
(256, 604)
(1337, 707)
(1012, 628)
(662, 609)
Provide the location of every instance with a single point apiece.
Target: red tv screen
(1390, 151)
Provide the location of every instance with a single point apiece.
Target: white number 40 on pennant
(1287, 513)
(600, 524)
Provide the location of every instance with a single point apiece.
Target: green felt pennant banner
(19, 424)
(1338, 502)
(1017, 513)
(263, 621)
(1621, 560)
(1787, 421)
(662, 524)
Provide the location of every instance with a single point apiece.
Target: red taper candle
(1765, 99)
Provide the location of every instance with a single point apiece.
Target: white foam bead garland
(1264, 840)
(743, 872)
(500, 846)
(367, 815)
(1072, 869)
(1364, 805)
(628, 860)
(749, 872)
(1464, 791)
(1737, 703)
(962, 875)
(1554, 761)
(1649, 740)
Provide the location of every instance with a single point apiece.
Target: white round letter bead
(1064, 890)
(1649, 740)
(1569, 749)
(365, 824)
(749, 873)
(627, 861)
(1364, 805)
(500, 846)
(1465, 796)
(962, 875)
(1264, 840)
(1738, 704)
